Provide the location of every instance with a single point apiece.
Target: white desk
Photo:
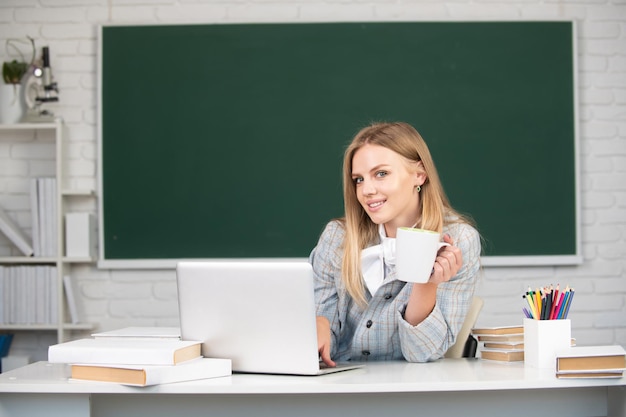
(451, 387)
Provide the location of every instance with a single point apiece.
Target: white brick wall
(116, 298)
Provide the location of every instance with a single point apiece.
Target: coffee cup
(416, 251)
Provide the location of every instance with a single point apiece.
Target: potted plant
(13, 72)
(12, 104)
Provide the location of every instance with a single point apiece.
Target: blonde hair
(360, 231)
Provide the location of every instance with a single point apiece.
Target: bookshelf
(41, 136)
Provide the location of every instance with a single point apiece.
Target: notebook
(259, 314)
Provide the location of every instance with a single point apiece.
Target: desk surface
(378, 377)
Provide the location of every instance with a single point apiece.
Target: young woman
(363, 311)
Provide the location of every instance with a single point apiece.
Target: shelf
(59, 264)
(74, 260)
(79, 193)
(50, 327)
(28, 126)
(27, 260)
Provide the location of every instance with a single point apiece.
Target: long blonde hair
(360, 231)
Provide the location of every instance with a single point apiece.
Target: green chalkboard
(223, 141)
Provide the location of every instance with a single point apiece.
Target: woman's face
(385, 186)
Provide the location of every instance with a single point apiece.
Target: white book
(43, 218)
(31, 293)
(138, 375)
(15, 234)
(34, 213)
(141, 333)
(40, 296)
(51, 272)
(3, 300)
(8, 295)
(21, 294)
(591, 358)
(124, 351)
(70, 298)
(54, 227)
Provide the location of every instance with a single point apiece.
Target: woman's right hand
(323, 340)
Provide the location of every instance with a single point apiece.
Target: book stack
(137, 361)
(28, 294)
(504, 343)
(591, 362)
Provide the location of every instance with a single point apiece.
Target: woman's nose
(368, 188)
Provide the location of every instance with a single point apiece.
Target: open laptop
(259, 314)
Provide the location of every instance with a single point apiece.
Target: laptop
(259, 314)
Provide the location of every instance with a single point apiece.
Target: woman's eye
(381, 174)
(357, 180)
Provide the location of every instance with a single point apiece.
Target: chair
(465, 346)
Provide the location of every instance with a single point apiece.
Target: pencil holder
(542, 339)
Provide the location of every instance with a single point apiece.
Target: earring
(418, 188)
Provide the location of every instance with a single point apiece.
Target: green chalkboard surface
(221, 141)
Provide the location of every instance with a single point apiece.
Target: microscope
(39, 90)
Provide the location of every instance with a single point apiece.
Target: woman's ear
(420, 174)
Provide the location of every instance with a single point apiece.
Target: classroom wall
(117, 298)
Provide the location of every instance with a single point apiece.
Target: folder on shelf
(15, 235)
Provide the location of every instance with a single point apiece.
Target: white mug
(416, 251)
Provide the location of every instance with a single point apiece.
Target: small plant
(13, 71)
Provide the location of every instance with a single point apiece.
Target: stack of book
(503, 343)
(28, 294)
(138, 361)
(591, 362)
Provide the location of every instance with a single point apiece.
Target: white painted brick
(611, 80)
(610, 182)
(584, 303)
(68, 31)
(598, 199)
(409, 11)
(115, 290)
(600, 164)
(49, 14)
(610, 285)
(596, 96)
(600, 30)
(133, 14)
(552, 11)
(601, 233)
(616, 251)
(620, 96)
(166, 291)
(143, 308)
(613, 216)
(617, 63)
(619, 161)
(591, 337)
(56, 3)
(610, 147)
(608, 13)
(593, 63)
(257, 13)
(336, 12)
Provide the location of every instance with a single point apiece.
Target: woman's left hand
(448, 262)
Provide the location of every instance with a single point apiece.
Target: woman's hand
(323, 340)
(448, 262)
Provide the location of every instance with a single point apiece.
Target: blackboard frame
(569, 257)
